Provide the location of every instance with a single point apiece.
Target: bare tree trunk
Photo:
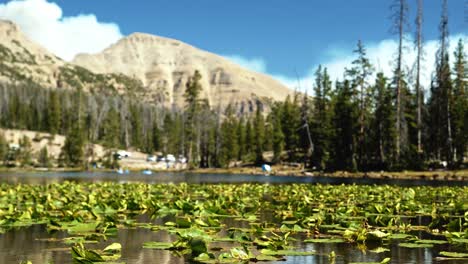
(419, 21)
(401, 20)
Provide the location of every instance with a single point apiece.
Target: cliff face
(164, 66)
(154, 69)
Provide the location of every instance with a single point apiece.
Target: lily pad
(325, 240)
(270, 252)
(415, 245)
(453, 254)
(157, 245)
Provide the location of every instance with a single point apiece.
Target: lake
(35, 243)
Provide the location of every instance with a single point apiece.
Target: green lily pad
(270, 252)
(325, 240)
(379, 250)
(157, 245)
(415, 245)
(453, 254)
(399, 236)
(429, 241)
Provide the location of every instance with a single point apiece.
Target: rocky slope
(22, 60)
(164, 66)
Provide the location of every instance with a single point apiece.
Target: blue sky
(278, 37)
(290, 35)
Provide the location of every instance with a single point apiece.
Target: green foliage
(192, 108)
(73, 149)
(460, 103)
(25, 152)
(43, 158)
(3, 147)
(258, 135)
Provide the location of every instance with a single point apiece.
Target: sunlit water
(33, 243)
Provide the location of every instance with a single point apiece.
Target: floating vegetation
(232, 223)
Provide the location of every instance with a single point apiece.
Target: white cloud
(380, 54)
(43, 22)
(254, 64)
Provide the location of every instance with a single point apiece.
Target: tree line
(365, 121)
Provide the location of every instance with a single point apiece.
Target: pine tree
(229, 147)
(443, 90)
(290, 123)
(399, 10)
(249, 139)
(191, 95)
(277, 133)
(383, 123)
(242, 138)
(43, 159)
(321, 128)
(460, 103)
(3, 148)
(25, 154)
(344, 122)
(156, 137)
(258, 135)
(111, 129)
(73, 149)
(359, 75)
(54, 113)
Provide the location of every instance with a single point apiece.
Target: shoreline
(440, 175)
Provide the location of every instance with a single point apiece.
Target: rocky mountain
(152, 68)
(164, 66)
(22, 60)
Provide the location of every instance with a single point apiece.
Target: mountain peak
(165, 65)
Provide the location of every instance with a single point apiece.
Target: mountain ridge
(153, 68)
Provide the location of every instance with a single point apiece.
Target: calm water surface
(31, 243)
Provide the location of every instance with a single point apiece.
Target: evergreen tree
(399, 10)
(111, 129)
(3, 147)
(290, 123)
(258, 135)
(277, 133)
(242, 139)
(460, 103)
(344, 122)
(192, 105)
(156, 137)
(43, 159)
(359, 75)
(54, 113)
(442, 95)
(249, 139)
(383, 123)
(304, 131)
(73, 149)
(136, 133)
(321, 128)
(229, 146)
(25, 153)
